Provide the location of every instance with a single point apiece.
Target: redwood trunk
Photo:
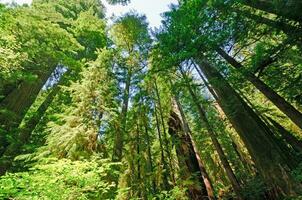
(20, 99)
(187, 157)
(206, 179)
(269, 159)
(15, 148)
(293, 114)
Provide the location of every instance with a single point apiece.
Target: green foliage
(118, 96)
(72, 8)
(130, 32)
(75, 133)
(62, 179)
(90, 35)
(176, 193)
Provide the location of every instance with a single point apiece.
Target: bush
(62, 179)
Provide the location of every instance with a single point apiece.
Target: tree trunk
(166, 183)
(187, 157)
(150, 161)
(139, 189)
(188, 133)
(7, 88)
(243, 160)
(167, 144)
(290, 9)
(17, 103)
(15, 148)
(225, 163)
(119, 137)
(268, 158)
(286, 28)
(293, 114)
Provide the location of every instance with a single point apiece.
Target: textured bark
(119, 137)
(290, 9)
(16, 104)
(267, 156)
(187, 158)
(20, 99)
(293, 114)
(187, 131)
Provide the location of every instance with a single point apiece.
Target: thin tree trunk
(225, 163)
(167, 144)
(150, 161)
(293, 114)
(243, 160)
(119, 137)
(269, 159)
(290, 30)
(166, 183)
(138, 162)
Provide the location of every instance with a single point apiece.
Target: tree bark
(187, 157)
(293, 114)
(268, 158)
(206, 179)
(20, 99)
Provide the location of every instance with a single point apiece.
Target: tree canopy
(206, 106)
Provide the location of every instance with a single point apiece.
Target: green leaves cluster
(62, 179)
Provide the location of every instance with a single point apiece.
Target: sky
(151, 8)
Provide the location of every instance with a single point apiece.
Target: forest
(208, 106)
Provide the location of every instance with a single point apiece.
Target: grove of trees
(206, 106)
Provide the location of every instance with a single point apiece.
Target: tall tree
(269, 160)
(131, 38)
